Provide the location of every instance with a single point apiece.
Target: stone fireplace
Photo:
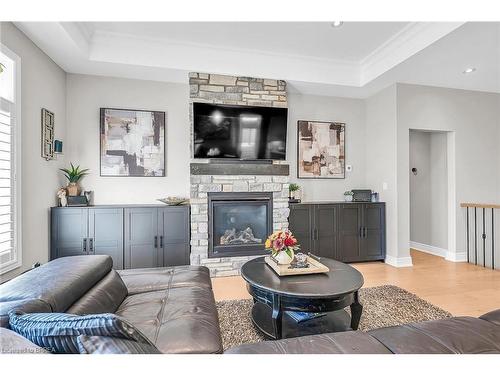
(233, 194)
(239, 223)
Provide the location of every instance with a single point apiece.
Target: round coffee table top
(340, 280)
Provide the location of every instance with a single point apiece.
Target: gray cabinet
(349, 232)
(135, 237)
(87, 231)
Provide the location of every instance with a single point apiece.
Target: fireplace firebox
(239, 223)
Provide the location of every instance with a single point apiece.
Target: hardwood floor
(460, 288)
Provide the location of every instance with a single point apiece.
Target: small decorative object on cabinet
(47, 134)
(74, 175)
(174, 201)
(282, 245)
(126, 133)
(294, 193)
(61, 195)
(88, 195)
(320, 149)
(348, 196)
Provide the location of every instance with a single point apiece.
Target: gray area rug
(383, 306)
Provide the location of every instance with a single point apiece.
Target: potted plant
(282, 245)
(293, 192)
(73, 174)
(348, 196)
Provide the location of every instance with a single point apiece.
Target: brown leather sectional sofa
(175, 308)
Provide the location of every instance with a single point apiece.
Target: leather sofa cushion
(13, 343)
(25, 305)
(353, 342)
(492, 317)
(457, 335)
(153, 279)
(113, 345)
(176, 320)
(59, 331)
(60, 282)
(104, 297)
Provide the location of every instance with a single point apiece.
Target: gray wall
(86, 94)
(42, 86)
(322, 108)
(472, 119)
(428, 189)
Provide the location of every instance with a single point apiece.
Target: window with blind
(10, 244)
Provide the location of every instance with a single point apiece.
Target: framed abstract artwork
(320, 149)
(132, 143)
(47, 134)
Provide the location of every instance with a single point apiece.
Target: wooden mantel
(480, 205)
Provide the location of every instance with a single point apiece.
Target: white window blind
(10, 246)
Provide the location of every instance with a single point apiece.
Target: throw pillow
(58, 332)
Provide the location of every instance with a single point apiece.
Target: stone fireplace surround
(211, 177)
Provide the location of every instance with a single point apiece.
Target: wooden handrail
(480, 205)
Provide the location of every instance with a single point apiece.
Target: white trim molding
(456, 256)
(398, 261)
(429, 249)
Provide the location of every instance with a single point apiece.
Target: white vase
(348, 198)
(283, 258)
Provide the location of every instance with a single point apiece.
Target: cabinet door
(174, 229)
(141, 238)
(301, 225)
(69, 232)
(106, 233)
(349, 232)
(373, 241)
(325, 239)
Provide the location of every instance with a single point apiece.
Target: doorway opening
(432, 192)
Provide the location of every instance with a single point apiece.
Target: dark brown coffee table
(327, 293)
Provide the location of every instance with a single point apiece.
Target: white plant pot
(348, 198)
(283, 258)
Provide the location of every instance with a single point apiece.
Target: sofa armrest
(492, 317)
(13, 343)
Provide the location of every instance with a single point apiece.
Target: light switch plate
(385, 186)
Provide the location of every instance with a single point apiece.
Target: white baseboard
(433, 250)
(398, 262)
(456, 257)
(444, 253)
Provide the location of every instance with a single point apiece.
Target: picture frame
(320, 149)
(47, 134)
(132, 143)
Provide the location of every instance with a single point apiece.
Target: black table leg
(356, 310)
(277, 316)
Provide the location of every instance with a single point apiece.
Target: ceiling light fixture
(337, 23)
(469, 70)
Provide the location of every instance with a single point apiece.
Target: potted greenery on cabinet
(74, 175)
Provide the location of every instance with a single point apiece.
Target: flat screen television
(239, 132)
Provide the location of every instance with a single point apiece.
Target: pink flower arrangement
(282, 240)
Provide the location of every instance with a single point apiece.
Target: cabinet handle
(91, 242)
(161, 242)
(156, 242)
(361, 232)
(84, 245)
(365, 232)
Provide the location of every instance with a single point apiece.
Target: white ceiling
(355, 60)
(352, 42)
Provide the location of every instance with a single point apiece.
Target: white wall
(420, 187)
(43, 86)
(429, 189)
(86, 94)
(473, 119)
(381, 165)
(322, 108)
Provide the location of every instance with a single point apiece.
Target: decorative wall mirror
(47, 134)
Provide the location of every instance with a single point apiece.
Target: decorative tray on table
(313, 266)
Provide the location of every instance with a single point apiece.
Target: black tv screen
(239, 132)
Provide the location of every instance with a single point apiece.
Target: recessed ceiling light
(337, 23)
(469, 70)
